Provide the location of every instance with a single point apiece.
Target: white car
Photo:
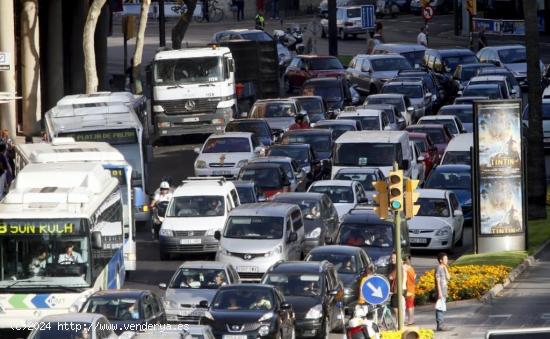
(225, 154)
(345, 194)
(74, 325)
(439, 224)
(370, 119)
(452, 122)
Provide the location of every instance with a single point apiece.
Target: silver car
(192, 282)
(279, 113)
(256, 236)
(421, 99)
(369, 72)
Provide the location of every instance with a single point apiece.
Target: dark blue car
(456, 178)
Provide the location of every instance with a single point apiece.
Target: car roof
(309, 131)
(358, 170)
(456, 106)
(270, 159)
(244, 183)
(122, 293)
(454, 51)
(257, 165)
(380, 106)
(362, 112)
(380, 56)
(204, 264)
(304, 267)
(265, 101)
(400, 82)
(461, 142)
(371, 137)
(385, 95)
(477, 65)
(503, 47)
(337, 249)
(343, 183)
(482, 86)
(431, 193)
(322, 80)
(438, 117)
(299, 196)
(494, 70)
(198, 187)
(263, 209)
(290, 146)
(72, 317)
(364, 216)
(452, 168)
(401, 47)
(231, 135)
(247, 121)
(488, 78)
(307, 97)
(336, 122)
(425, 126)
(315, 56)
(246, 286)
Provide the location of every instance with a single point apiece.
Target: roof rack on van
(220, 180)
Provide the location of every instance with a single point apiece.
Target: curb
(488, 297)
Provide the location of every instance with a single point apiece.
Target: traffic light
(411, 196)
(380, 198)
(425, 3)
(471, 6)
(396, 190)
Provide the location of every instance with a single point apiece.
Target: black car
(352, 264)
(363, 228)
(445, 61)
(320, 140)
(335, 91)
(126, 307)
(270, 178)
(259, 127)
(315, 293)
(464, 72)
(249, 310)
(305, 157)
(314, 106)
(430, 80)
(320, 216)
(338, 127)
(248, 192)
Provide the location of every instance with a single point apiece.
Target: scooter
(159, 212)
(360, 326)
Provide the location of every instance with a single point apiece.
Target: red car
(439, 134)
(304, 67)
(428, 149)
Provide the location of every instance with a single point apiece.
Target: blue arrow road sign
(367, 16)
(375, 289)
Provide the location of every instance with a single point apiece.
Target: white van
(458, 150)
(198, 208)
(373, 149)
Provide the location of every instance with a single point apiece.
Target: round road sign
(428, 12)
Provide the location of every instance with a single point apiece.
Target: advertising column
(499, 179)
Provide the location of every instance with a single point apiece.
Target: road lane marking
(500, 316)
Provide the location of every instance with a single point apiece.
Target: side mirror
(203, 304)
(285, 306)
(197, 150)
(458, 213)
(163, 286)
(97, 241)
(292, 237)
(328, 240)
(244, 114)
(217, 235)
(420, 158)
(149, 154)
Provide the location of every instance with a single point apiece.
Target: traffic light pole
(399, 265)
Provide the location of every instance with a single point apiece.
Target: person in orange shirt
(411, 287)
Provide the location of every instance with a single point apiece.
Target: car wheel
(164, 256)
(460, 241)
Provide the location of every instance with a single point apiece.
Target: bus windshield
(45, 253)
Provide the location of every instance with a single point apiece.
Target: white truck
(193, 90)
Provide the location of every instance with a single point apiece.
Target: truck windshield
(188, 71)
(365, 154)
(44, 253)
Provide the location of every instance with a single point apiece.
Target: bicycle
(215, 13)
(386, 320)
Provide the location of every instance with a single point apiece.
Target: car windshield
(319, 143)
(451, 126)
(492, 92)
(254, 227)
(412, 91)
(296, 284)
(449, 180)
(226, 145)
(323, 64)
(436, 134)
(453, 61)
(263, 177)
(390, 64)
(421, 145)
(431, 207)
(312, 106)
(244, 299)
(512, 55)
(457, 158)
(330, 93)
(338, 194)
(343, 263)
(414, 58)
(365, 179)
(114, 308)
(287, 167)
(337, 130)
(365, 154)
(246, 195)
(187, 71)
(366, 235)
(256, 36)
(300, 154)
(466, 114)
(367, 123)
(311, 209)
(252, 127)
(274, 110)
(196, 206)
(199, 278)
(56, 330)
(397, 102)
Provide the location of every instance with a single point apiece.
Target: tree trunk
(138, 53)
(30, 68)
(536, 185)
(178, 32)
(88, 43)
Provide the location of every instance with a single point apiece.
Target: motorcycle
(159, 212)
(360, 326)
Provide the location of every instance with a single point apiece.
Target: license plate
(194, 119)
(190, 241)
(221, 172)
(419, 241)
(232, 336)
(191, 312)
(247, 269)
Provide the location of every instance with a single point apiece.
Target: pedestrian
(411, 289)
(378, 35)
(371, 43)
(422, 37)
(260, 20)
(442, 278)
(205, 15)
(392, 277)
(274, 9)
(240, 9)
(234, 9)
(481, 39)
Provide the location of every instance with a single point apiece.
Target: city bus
(91, 117)
(62, 150)
(61, 240)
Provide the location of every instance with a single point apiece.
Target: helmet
(164, 185)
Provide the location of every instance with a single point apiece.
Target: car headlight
(208, 315)
(315, 312)
(170, 303)
(218, 121)
(314, 234)
(265, 317)
(263, 331)
(211, 231)
(166, 232)
(200, 164)
(443, 231)
(241, 163)
(383, 261)
(275, 251)
(158, 109)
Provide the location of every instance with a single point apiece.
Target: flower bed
(467, 282)
(424, 334)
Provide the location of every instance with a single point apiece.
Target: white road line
(500, 316)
